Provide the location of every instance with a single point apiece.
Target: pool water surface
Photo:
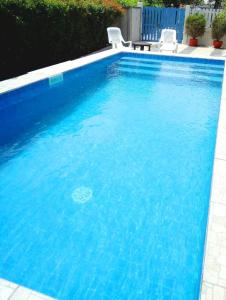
(105, 179)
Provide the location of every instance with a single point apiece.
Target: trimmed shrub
(195, 25)
(38, 33)
(219, 26)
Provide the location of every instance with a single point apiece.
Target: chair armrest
(128, 42)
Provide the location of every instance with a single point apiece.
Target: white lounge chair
(168, 40)
(115, 38)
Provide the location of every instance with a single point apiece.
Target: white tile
(42, 296)
(219, 293)
(5, 292)
(21, 293)
(223, 273)
(219, 210)
(219, 181)
(221, 260)
(8, 288)
(35, 297)
(206, 291)
(220, 151)
(7, 283)
(211, 276)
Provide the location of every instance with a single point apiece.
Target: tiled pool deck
(12, 291)
(214, 270)
(214, 273)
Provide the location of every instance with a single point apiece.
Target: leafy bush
(128, 3)
(37, 33)
(195, 25)
(219, 26)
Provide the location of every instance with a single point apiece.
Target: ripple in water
(82, 194)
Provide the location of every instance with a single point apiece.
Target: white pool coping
(48, 72)
(13, 291)
(213, 285)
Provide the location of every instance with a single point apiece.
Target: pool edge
(51, 71)
(213, 282)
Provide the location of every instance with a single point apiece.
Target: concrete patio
(201, 51)
(194, 51)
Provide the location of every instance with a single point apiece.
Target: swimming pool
(105, 178)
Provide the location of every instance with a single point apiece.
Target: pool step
(179, 70)
(168, 74)
(151, 61)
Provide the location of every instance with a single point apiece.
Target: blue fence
(154, 19)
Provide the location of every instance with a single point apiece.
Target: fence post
(187, 13)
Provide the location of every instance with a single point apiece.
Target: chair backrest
(168, 36)
(114, 35)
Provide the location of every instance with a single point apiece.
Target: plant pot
(217, 44)
(193, 42)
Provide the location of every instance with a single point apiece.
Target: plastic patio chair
(168, 40)
(115, 38)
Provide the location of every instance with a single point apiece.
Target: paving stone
(7, 283)
(5, 292)
(219, 179)
(21, 293)
(219, 293)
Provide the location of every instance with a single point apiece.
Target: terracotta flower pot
(193, 42)
(217, 44)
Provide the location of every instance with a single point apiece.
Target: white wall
(123, 24)
(130, 24)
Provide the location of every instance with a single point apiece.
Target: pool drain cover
(82, 194)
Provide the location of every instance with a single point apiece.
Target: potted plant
(195, 27)
(219, 29)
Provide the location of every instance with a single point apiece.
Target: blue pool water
(105, 179)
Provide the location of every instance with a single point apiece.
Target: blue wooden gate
(154, 19)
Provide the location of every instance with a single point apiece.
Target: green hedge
(37, 33)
